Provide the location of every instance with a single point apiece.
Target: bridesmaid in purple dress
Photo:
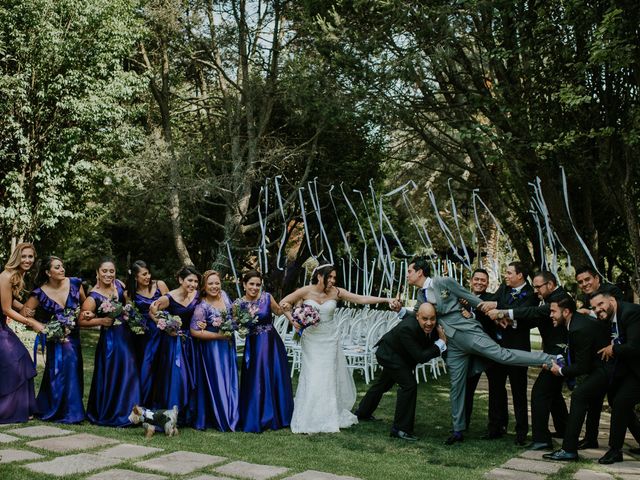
(145, 291)
(216, 396)
(266, 397)
(115, 386)
(62, 387)
(172, 380)
(17, 398)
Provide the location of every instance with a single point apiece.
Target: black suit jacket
(587, 335)
(538, 316)
(627, 354)
(406, 345)
(516, 337)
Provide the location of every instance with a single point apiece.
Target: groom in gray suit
(465, 336)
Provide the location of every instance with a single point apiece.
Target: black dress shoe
(520, 441)
(584, 444)
(492, 435)
(635, 451)
(612, 456)
(561, 455)
(369, 418)
(537, 446)
(456, 437)
(403, 436)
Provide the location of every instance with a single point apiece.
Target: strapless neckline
(318, 303)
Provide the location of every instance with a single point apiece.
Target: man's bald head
(426, 316)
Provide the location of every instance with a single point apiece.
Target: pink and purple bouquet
(244, 314)
(224, 323)
(111, 308)
(307, 316)
(168, 323)
(134, 319)
(61, 324)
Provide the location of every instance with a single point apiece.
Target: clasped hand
(606, 353)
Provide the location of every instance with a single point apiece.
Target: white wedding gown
(326, 391)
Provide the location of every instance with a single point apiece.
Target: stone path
(529, 464)
(100, 457)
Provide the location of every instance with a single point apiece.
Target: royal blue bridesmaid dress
(266, 397)
(115, 387)
(62, 387)
(17, 397)
(172, 380)
(215, 403)
(147, 345)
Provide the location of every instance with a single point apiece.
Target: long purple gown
(115, 387)
(62, 387)
(172, 380)
(266, 397)
(17, 397)
(148, 343)
(215, 400)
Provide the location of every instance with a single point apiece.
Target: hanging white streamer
(233, 269)
(454, 211)
(575, 230)
(284, 222)
(315, 201)
(304, 221)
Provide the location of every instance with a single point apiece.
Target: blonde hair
(13, 266)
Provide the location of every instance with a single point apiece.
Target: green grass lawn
(364, 451)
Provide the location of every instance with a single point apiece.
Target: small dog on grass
(150, 419)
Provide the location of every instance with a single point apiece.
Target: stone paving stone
(209, 477)
(504, 474)
(180, 463)
(583, 474)
(592, 453)
(40, 431)
(81, 441)
(126, 451)
(4, 438)
(251, 470)
(71, 464)
(120, 474)
(315, 475)
(628, 476)
(534, 454)
(11, 455)
(632, 467)
(535, 466)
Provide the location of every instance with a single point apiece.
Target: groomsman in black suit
(479, 283)
(589, 282)
(587, 336)
(513, 293)
(414, 340)
(546, 395)
(624, 354)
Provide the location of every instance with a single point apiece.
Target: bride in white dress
(326, 392)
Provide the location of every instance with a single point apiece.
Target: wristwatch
(500, 315)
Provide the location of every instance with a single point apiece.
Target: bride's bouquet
(306, 316)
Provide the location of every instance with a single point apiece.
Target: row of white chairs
(360, 330)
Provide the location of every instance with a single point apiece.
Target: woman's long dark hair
(187, 270)
(44, 266)
(132, 280)
(323, 272)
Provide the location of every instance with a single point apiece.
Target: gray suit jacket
(446, 293)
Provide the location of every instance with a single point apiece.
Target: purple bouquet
(111, 308)
(244, 314)
(134, 319)
(168, 323)
(307, 316)
(61, 324)
(224, 323)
